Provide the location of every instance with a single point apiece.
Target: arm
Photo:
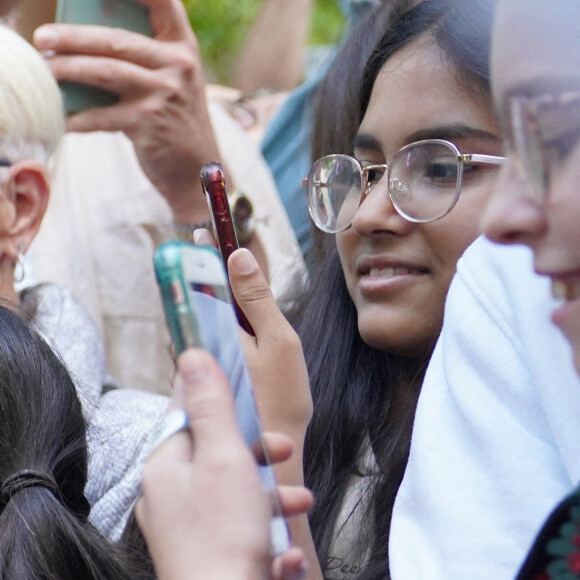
(210, 518)
(280, 380)
(162, 108)
(273, 54)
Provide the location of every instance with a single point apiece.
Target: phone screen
(199, 312)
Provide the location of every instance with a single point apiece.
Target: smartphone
(128, 14)
(199, 312)
(213, 182)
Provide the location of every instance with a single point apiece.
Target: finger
(117, 76)
(290, 565)
(122, 116)
(209, 404)
(169, 19)
(253, 294)
(116, 43)
(279, 447)
(203, 237)
(118, 117)
(294, 500)
(175, 449)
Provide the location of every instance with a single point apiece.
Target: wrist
(188, 206)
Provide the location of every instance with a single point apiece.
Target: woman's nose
(512, 215)
(376, 214)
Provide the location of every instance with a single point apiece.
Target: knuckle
(148, 108)
(171, 86)
(229, 457)
(185, 65)
(205, 408)
(254, 291)
(118, 45)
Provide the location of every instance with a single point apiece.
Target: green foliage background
(221, 26)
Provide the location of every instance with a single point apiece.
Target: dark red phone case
(214, 185)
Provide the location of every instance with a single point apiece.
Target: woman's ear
(28, 189)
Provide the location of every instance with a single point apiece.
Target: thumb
(252, 293)
(209, 403)
(168, 19)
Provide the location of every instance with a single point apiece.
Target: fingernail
(45, 37)
(298, 574)
(197, 237)
(243, 262)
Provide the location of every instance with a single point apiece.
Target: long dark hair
(364, 398)
(44, 533)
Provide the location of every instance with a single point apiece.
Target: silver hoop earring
(19, 269)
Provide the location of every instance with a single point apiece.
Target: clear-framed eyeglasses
(542, 131)
(424, 182)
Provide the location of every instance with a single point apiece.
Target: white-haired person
(32, 124)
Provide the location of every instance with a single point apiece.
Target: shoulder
(119, 444)
(68, 329)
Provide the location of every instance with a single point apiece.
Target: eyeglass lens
(334, 192)
(528, 148)
(423, 179)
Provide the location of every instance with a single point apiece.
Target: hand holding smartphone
(197, 302)
(128, 14)
(214, 186)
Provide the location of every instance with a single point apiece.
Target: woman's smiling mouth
(565, 289)
(389, 272)
(378, 275)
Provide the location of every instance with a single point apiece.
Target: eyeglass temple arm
(477, 158)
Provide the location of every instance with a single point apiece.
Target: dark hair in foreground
(44, 533)
(365, 399)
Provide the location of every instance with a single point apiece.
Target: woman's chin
(567, 318)
(396, 331)
(396, 342)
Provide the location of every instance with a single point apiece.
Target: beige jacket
(103, 223)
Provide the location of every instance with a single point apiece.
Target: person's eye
(441, 171)
(375, 174)
(558, 149)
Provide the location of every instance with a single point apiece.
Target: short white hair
(32, 117)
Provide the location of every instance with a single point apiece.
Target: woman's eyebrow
(451, 132)
(366, 142)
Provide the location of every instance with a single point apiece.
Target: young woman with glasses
(401, 184)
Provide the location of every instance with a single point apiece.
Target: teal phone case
(179, 313)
